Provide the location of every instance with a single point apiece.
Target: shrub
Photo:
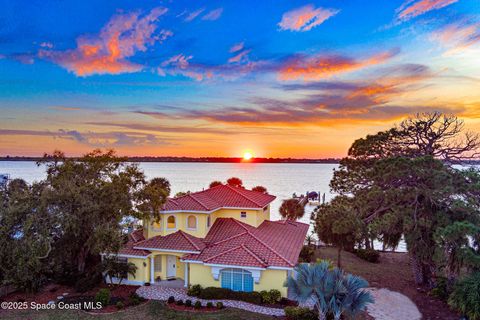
(209, 305)
(171, 299)
(369, 255)
(440, 291)
(103, 296)
(88, 282)
(188, 303)
(287, 302)
(275, 295)
(194, 290)
(306, 254)
(265, 296)
(220, 305)
(197, 305)
(120, 305)
(465, 296)
(179, 302)
(222, 293)
(298, 313)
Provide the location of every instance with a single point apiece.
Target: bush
(209, 305)
(103, 296)
(466, 296)
(220, 305)
(179, 302)
(287, 302)
(171, 299)
(298, 313)
(194, 290)
(369, 255)
(88, 282)
(197, 305)
(188, 303)
(306, 254)
(265, 296)
(275, 295)
(120, 305)
(440, 291)
(222, 293)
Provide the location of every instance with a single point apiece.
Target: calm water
(281, 180)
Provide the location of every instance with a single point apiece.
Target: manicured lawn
(149, 311)
(392, 272)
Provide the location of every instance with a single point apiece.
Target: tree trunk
(81, 259)
(423, 273)
(417, 270)
(367, 243)
(339, 257)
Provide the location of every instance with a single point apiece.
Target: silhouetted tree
(261, 189)
(235, 182)
(292, 209)
(215, 183)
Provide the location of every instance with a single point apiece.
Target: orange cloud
(411, 9)
(305, 18)
(320, 66)
(458, 36)
(120, 38)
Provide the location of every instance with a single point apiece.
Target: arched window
(237, 279)
(171, 223)
(192, 222)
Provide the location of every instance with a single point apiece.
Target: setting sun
(247, 156)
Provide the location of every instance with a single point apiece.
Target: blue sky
(277, 78)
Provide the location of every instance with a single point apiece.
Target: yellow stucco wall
(269, 279)
(272, 279)
(143, 272)
(251, 219)
(160, 228)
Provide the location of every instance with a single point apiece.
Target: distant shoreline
(202, 160)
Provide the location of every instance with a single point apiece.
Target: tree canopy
(292, 209)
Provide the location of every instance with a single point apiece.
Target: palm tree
(292, 209)
(333, 291)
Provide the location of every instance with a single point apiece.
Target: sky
(300, 79)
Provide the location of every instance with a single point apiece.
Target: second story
(196, 212)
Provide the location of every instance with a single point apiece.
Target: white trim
(232, 266)
(208, 212)
(185, 276)
(256, 274)
(152, 269)
(280, 268)
(191, 261)
(166, 250)
(125, 255)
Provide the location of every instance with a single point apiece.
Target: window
(209, 222)
(157, 263)
(171, 223)
(237, 279)
(123, 275)
(192, 222)
(243, 214)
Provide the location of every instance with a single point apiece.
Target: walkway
(389, 305)
(156, 292)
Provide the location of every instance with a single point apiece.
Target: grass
(149, 311)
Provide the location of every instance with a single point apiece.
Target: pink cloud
(191, 16)
(213, 15)
(318, 67)
(458, 36)
(240, 56)
(414, 8)
(237, 47)
(305, 18)
(180, 65)
(107, 52)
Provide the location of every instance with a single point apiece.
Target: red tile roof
(128, 249)
(219, 197)
(178, 241)
(272, 244)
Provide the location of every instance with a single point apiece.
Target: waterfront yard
(394, 273)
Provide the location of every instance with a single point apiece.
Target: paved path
(389, 305)
(162, 293)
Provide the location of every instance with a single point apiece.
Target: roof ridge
(222, 253)
(241, 224)
(269, 247)
(232, 188)
(253, 254)
(262, 242)
(198, 201)
(230, 238)
(188, 239)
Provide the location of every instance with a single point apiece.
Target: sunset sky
(210, 78)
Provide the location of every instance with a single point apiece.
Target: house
(220, 237)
